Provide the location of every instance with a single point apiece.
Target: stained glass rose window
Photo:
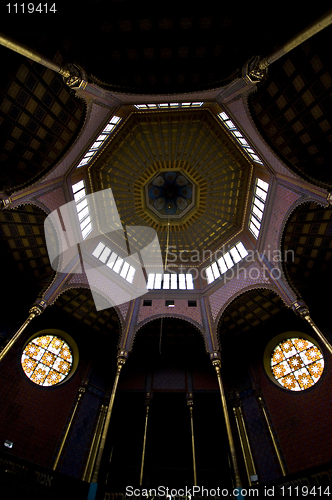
(47, 360)
(297, 364)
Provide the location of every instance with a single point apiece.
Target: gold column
(245, 445)
(81, 391)
(34, 311)
(11, 44)
(122, 356)
(217, 365)
(313, 28)
(147, 407)
(300, 308)
(95, 444)
(276, 449)
(190, 404)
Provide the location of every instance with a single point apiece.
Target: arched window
(47, 360)
(296, 363)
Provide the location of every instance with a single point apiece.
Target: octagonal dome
(170, 194)
(186, 145)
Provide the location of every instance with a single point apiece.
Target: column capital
(76, 75)
(5, 200)
(301, 309)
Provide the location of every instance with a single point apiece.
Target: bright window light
(215, 270)
(82, 208)
(114, 262)
(166, 281)
(228, 260)
(150, 281)
(131, 274)
(99, 248)
(124, 270)
(117, 265)
(241, 249)
(100, 140)
(235, 255)
(257, 206)
(164, 105)
(157, 283)
(209, 275)
(222, 265)
(190, 282)
(182, 282)
(174, 281)
(105, 254)
(225, 262)
(239, 137)
(111, 260)
(170, 281)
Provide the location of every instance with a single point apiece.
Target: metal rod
(94, 445)
(247, 441)
(144, 443)
(217, 365)
(313, 28)
(120, 363)
(242, 445)
(34, 311)
(283, 470)
(319, 333)
(190, 404)
(64, 439)
(25, 51)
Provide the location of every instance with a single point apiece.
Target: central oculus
(170, 194)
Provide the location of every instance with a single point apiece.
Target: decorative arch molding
(261, 286)
(70, 286)
(295, 206)
(192, 322)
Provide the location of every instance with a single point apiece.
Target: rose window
(47, 360)
(297, 364)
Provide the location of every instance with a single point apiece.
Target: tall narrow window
(112, 260)
(100, 140)
(170, 281)
(82, 207)
(239, 137)
(225, 262)
(257, 207)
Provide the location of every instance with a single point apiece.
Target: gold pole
(296, 40)
(242, 444)
(120, 362)
(190, 403)
(300, 308)
(147, 404)
(283, 470)
(217, 365)
(245, 445)
(25, 51)
(34, 311)
(94, 445)
(81, 391)
(248, 443)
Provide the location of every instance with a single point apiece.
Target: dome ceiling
(174, 148)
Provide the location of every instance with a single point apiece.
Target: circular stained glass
(47, 360)
(297, 364)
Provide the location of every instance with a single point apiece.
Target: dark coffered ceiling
(293, 109)
(128, 46)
